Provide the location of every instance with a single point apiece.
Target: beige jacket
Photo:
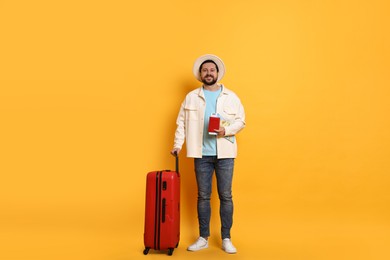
(191, 119)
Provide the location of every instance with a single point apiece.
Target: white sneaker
(199, 244)
(228, 246)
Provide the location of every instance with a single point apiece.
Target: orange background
(89, 94)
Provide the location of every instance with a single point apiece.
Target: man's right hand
(175, 151)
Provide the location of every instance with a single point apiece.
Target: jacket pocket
(192, 113)
(229, 113)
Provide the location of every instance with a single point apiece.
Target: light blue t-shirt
(210, 141)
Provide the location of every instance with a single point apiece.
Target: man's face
(208, 74)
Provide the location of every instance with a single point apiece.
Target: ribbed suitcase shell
(162, 211)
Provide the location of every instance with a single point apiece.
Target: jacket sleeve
(239, 120)
(180, 129)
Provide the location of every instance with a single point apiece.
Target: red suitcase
(162, 210)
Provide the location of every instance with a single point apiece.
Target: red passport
(213, 124)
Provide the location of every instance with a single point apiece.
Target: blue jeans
(204, 169)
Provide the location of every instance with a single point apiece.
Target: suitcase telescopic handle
(177, 161)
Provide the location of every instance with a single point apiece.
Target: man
(213, 151)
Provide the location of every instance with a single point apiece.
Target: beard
(209, 81)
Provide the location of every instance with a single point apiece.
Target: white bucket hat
(201, 59)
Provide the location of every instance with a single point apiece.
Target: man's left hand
(220, 131)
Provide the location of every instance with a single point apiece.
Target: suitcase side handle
(163, 210)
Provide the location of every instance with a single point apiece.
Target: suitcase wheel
(170, 251)
(146, 251)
